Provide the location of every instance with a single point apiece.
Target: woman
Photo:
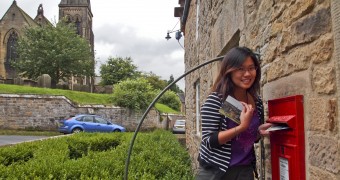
(227, 148)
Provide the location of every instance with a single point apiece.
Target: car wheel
(77, 130)
(117, 130)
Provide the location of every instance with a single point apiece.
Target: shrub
(133, 94)
(156, 155)
(170, 99)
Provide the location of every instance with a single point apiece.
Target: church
(16, 19)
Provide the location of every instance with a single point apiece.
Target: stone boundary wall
(44, 111)
(169, 119)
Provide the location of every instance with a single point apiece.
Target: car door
(102, 125)
(88, 123)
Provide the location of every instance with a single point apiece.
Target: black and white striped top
(211, 152)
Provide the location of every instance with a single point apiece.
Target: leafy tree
(57, 51)
(170, 99)
(118, 69)
(135, 94)
(174, 87)
(155, 81)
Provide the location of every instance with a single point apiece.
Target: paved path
(14, 139)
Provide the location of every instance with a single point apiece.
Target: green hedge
(156, 155)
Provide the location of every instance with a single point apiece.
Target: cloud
(127, 28)
(159, 56)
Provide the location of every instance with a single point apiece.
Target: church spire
(40, 10)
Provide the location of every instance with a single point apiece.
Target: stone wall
(300, 50)
(169, 119)
(43, 112)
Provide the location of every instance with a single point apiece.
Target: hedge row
(156, 155)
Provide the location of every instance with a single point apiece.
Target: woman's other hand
(263, 128)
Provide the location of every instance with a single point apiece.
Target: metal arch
(152, 104)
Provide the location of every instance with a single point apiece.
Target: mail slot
(288, 141)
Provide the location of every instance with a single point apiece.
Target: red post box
(287, 145)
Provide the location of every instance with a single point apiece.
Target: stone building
(299, 44)
(11, 28)
(16, 19)
(79, 12)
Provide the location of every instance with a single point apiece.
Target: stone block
(323, 79)
(294, 84)
(318, 120)
(271, 49)
(324, 153)
(277, 69)
(317, 174)
(309, 28)
(322, 49)
(297, 10)
(297, 59)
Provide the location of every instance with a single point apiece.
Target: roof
(40, 18)
(27, 18)
(181, 97)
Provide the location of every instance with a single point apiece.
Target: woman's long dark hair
(234, 58)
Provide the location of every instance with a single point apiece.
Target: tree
(54, 50)
(134, 94)
(174, 87)
(155, 81)
(118, 69)
(171, 99)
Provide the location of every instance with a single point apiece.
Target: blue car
(88, 123)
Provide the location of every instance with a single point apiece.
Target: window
(100, 120)
(198, 108)
(68, 18)
(78, 25)
(11, 47)
(78, 119)
(88, 119)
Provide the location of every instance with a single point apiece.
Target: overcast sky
(127, 28)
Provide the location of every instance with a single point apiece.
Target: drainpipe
(185, 14)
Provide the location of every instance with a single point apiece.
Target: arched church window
(11, 47)
(68, 19)
(78, 25)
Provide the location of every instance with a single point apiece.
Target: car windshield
(180, 122)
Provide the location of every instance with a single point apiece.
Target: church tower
(78, 12)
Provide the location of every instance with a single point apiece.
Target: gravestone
(44, 81)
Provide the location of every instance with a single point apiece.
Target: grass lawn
(77, 97)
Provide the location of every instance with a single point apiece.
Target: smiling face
(244, 76)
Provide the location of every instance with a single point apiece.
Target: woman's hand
(246, 116)
(263, 128)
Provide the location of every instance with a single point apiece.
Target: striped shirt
(211, 152)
